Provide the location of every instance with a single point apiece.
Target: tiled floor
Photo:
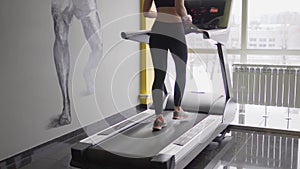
(248, 145)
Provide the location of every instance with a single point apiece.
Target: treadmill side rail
(117, 128)
(193, 137)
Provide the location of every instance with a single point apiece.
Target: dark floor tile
(42, 163)
(63, 163)
(58, 152)
(211, 155)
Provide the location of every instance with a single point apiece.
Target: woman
(167, 34)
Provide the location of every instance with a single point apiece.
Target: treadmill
(131, 142)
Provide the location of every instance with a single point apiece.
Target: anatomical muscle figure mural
(63, 12)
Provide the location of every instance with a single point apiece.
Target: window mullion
(244, 31)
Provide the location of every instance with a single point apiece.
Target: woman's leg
(159, 54)
(179, 53)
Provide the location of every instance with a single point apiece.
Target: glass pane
(293, 60)
(196, 41)
(273, 24)
(203, 76)
(234, 40)
(210, 66)
(233, 59)
(266, 59)
(274, 59)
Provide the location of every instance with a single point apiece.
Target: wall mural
(62, 13)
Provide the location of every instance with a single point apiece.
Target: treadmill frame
(173, 156)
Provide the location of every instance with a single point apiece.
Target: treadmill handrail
(211, 35)
(142, 36)
(128, 35)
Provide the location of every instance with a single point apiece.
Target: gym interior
(76, 81)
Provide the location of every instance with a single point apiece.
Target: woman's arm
(181, 10)
(147, 9)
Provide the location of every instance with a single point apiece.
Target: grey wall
(29, 92)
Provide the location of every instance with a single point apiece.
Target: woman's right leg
(179, 51)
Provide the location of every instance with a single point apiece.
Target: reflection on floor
(251, 150)
(271, 117)
(265, 150)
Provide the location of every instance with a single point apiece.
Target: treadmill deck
(140, 141)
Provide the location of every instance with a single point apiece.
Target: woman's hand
(150, 14)
(187, 19)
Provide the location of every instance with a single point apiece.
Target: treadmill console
(209, 14)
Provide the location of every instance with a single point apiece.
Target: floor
(252, 143)
(280, 118)
(251, 150)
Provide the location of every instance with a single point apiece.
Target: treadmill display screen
(209, 14)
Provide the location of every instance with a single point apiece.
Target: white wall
(29, 90)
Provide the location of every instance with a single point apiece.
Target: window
(260, 33)
(271, 39)
(292, 60)
(278, 22)
(235, 38)
(265, 59)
